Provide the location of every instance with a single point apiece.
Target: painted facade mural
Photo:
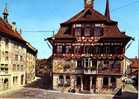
(63, 66)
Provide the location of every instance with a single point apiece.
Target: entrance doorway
(93, 83)
(22, 79)
(78, 82)
(6, 83)
(113, 82)
(105, 82)
(86, 83)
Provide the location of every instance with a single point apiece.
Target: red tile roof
(43, 62)
(110, 31)
(135, 63)
(134, 73)
(62, 33)
(113, 32)
(6, 30)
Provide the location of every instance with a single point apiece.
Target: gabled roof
(6, 30)
(88, 15)
(42, 62)
(113, 32)
(62, 33)
(31, 48)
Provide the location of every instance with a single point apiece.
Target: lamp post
(52, 57)
(138, 51)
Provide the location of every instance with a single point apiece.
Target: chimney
(89, 4)
(14, 26)
(20, 31)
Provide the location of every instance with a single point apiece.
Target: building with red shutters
(88, 52)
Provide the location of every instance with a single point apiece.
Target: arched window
(6, 81)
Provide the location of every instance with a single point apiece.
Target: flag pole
(138, 48)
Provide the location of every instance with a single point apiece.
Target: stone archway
(6, 83)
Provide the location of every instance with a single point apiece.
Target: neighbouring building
(41, 67)
(126, 66)
(31, 57)
(13, 55)
(44, 71)
(88, 52)
(134, 71)
(134, 67)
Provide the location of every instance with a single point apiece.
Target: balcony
(94, 56)
(110, 71)
(79, 70)
(88, 71)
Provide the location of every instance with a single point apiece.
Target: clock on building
(89, 2)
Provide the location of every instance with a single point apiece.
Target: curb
(79, 93)
(10, 90)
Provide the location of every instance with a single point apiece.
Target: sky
(46, 15)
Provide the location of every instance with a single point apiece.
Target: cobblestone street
(28, 93)
(35, 91)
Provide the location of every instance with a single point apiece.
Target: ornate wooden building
(88, 51)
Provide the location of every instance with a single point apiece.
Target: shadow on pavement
(126, 95)
(43, 83)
